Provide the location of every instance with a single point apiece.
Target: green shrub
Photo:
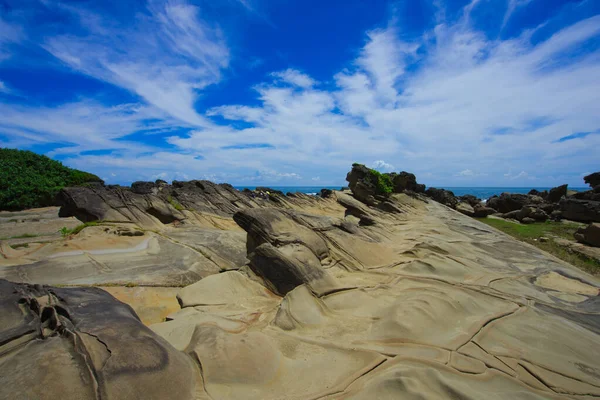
(383, 183)
(29, 180)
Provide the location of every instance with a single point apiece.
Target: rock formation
(589, 235)
(358, 295)
(81, 343)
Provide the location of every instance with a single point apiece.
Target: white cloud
(450, 100)
(510, 9)
(3, 88)
(9, 35)
(316, 178)
(295, 77)
(381, 165)
(165, 56)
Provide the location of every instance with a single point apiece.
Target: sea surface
(483, 193)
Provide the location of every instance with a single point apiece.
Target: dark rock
(534, 213)
(556, 215)
(144, 187)
(443, 196)
(514, 214)
(589, 235)
(528, 220)
(557, 193)
(269, 190)
(592, 179)
(82, 343)
(547, 207)
(593, 195)
(366, 184)
(326, 193)
(481, 211)
(406, 181)
(508, 202)
(535, 192)
(470, 199)
(580, 210)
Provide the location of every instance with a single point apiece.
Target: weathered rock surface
(428, 303)
(580, 210)
(469, 199)
(465, 208)
(589, 235)
(404, 181)
(481, 211)
(81, 343)
(556, 194)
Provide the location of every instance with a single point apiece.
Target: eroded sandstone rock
(81, 343)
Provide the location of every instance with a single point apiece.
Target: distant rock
(144, 187)
(592, 179)
(528, 220)
(406, 181)
(82, 343)
(535, 192)
(534, 213)
(557, 193)
(469, 199)
(481, 211)
(508, 202)
(326, 193)
(443, 196)
(589, 235)
(580, 210)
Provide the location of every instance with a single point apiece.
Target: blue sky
(252, 92)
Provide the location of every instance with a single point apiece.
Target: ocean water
(483, 193)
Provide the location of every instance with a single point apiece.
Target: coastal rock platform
(312, 298)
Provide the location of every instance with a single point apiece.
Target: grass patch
(20, 245)
(176, 205)
(64, 231)
(530, 233)
(23, 236)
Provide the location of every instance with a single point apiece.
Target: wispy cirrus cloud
(165, 55)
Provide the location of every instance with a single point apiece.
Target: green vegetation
(530, 233)
(64, 231)
(29, 180)
(176, 205)
(20, 245)
(382, 182)
(23, 236)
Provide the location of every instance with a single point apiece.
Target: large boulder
(537, 214)
(557, 193)
(465, 208)
(469, 199)
(592, 179)
(589, 235)
(580, 210)
(406, 181)
(367, 184)
(284, 251)
(446, 197)
(481, 211)
(82, 343)
(534, 192)
(508, 202)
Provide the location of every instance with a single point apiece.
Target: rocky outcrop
(446, 197)
(465, 208)
(469, 199)
(580, 210)
(508, 202)
(589, 235)
(367, 185)
(556, 194)
(404, 181)
(285, 251)
(593, 180)
(153, 204)
(481, 211)
(81, 343)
